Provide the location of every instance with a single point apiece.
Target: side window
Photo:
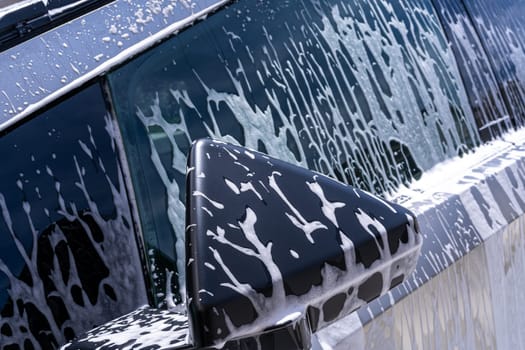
(485, 96)
(501, 26)
(68, 254)
(366, 92)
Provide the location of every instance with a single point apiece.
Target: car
(261, 175)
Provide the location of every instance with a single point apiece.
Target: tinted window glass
(68, 255)
(366, 92)
(486, 99)
(501, 27)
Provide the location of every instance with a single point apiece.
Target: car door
(382, 96)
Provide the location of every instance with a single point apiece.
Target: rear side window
(487, 97)
(501, 26)
(68, 255)
(366, 92)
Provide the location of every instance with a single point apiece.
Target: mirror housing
(269, 243)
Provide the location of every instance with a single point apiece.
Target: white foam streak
(328, 208)
(212, 202)
(308, 227)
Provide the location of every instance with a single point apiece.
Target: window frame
(40, 70)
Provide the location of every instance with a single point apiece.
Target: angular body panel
(267, 239)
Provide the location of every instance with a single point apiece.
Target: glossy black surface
(142, 329)
(267, 239)
(486, 98)
(68, 254)
(501, 29)
(150, 329)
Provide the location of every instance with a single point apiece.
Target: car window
(366, 92)
(485, 95)
(502, 32)
(68, 254)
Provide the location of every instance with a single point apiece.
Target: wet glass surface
(501, 28)
(68, 256)
(485, 96)
(368, 93)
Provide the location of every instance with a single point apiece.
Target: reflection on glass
(366, 92)
(487, 101)
(68, 255)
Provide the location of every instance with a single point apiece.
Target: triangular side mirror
(269, 242)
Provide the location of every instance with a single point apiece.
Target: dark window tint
(366, 92)
(485, 96)
(68, 255)
(501, 28)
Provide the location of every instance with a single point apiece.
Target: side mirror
(271, 244)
